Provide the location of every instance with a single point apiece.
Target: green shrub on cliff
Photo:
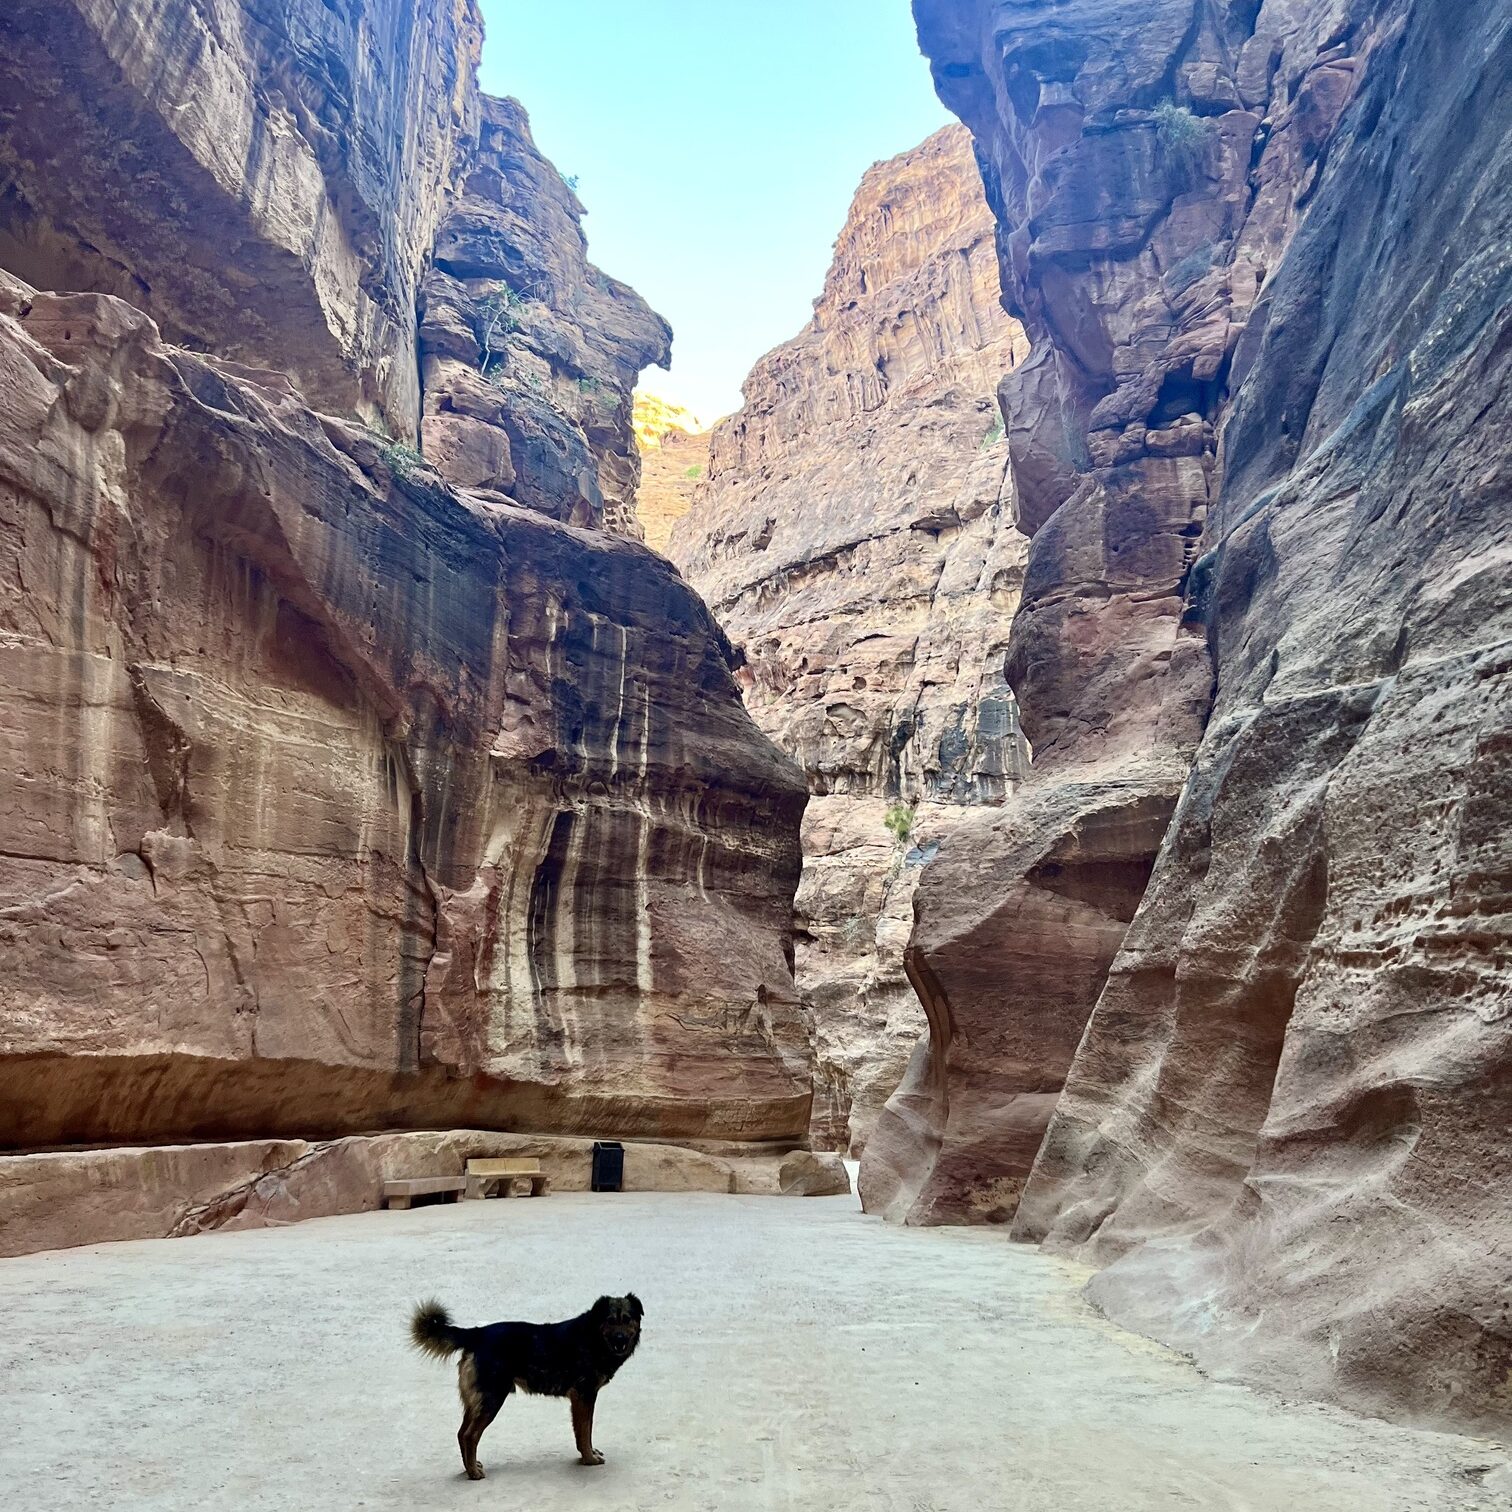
(400, 458)
(900, 820)
(498, 316)
(1183, 137)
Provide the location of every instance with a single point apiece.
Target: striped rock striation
(346, 788)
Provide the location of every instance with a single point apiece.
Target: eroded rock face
(1286, 1124)
(1293, 1105)
(528, 352)
(856, 541)
(264, 179)
(854, 537)
(340, 798)
(1145, 170)
(343, 801)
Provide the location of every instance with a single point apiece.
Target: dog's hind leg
(474, 1421)
(582, 1427)
(479, 1409)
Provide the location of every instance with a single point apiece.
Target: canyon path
(949, 1372)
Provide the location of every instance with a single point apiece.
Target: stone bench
(403, 1194)
(497, 1178)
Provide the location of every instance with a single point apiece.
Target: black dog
(575, 1359)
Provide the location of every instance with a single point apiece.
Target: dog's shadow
(539, 1464)
(538, 1477)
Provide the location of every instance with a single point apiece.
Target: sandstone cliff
(1142, 194)
(263, 179)
(339, 797)
(529, 353)
(674, 458)
(1286, 1125)
(855, 539)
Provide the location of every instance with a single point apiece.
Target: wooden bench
(497, 1178)
(403, 1194)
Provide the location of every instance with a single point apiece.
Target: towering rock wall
(1286, 1124)
(263, 178)
(856, 541)
(339, 797)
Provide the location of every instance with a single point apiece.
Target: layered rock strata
(1285, 1129)
(856, 541)
(264, 180)
(341, 798)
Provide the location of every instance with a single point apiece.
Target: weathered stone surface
(339, 801)
(264, 179)
(528, 352)
(1022, 912)
(1145, 168)
(1291, 1115)
(1286, 1125)
(855, 539)
(854, 910)
(63, 1198)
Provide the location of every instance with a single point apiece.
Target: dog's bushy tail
(432, 1331)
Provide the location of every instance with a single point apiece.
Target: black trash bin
(608, 1165)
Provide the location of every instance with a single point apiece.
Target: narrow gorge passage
(796, 1356)
(950, 825)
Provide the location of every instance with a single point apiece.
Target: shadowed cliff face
(1117, 166)
(338, 797)
(263, 179)
(1285, 1125)
(856, 540)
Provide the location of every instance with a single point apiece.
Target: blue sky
(716, 144)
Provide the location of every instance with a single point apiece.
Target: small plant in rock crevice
(993, 436)
(1182, 136)
(856, 930)
(694, 472)
(499, 315)
(900, 820)
(400, 458)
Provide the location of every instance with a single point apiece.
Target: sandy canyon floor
(797, 1355)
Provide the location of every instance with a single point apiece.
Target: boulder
(809, 1173)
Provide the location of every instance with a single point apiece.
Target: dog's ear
(601, 1309)
(635, 1305)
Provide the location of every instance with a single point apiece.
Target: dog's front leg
(582, 1426)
